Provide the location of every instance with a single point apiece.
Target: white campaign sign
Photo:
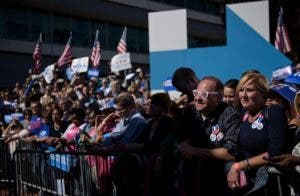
(282, 73)
(120, 62)
(80, 65)
(48, 73)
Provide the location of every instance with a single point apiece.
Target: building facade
(22, 21)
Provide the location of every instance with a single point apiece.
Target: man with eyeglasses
(131, 123)
(212, 139)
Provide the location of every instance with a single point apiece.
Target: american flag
(66, 56)
(96, 55)
(37, 55)
(122, 47)
(282, 41)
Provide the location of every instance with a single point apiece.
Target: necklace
(56, 126)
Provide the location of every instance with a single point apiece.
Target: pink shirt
(72, 131)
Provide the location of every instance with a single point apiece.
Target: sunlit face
(251, 97)
(209, 103)
(56, 116)
(230, 97)
(35, 108)
(91, 118)
(85, 91)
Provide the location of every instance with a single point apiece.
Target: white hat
(138, 70)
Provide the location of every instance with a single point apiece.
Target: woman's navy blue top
(269, 136)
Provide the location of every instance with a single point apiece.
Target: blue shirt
(128, 130)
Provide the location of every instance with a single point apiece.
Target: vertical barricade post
(7, 168)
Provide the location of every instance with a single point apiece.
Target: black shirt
(221, 129)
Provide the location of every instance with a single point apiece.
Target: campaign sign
(282, 73)
(80, 65)
(120, 62)
(69, 73)
(61, 161)
(168, 86)
(93, 73)
(13, 116)
(48, 73)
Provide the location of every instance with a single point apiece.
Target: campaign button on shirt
(212, 137)
(220, 136)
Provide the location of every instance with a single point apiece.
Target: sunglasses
(203, 95)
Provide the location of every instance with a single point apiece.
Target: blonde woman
(262, 136)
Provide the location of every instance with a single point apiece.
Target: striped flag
(122, 47)
(66, 56)
(96, 55)
(37, 55)
(282, 41)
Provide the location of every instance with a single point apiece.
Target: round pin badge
(220, 136)
(212, 137)
(259, 126)
(254, 125)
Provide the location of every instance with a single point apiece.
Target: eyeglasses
(203, 95)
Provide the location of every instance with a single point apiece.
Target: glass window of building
(196, 5)
(101, 26)
(61, 27)
(40, 23)
(143, 41)
(17, 23)
(181, 3)
(114, 33)
(132, 39)
(2, 23)
(81, 31)
(194, 42)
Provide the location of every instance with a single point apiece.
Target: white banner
(80, 65)
(282, 73)
(120, 62)
(48, 73)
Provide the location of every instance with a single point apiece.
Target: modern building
(22, 21)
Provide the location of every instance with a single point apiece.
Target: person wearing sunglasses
(210, 143)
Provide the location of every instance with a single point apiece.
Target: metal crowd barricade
(7, 168)
(77, 173)
(31, 171)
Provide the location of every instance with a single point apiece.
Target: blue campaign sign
(245, 50)
(93, 73)
(168, 86)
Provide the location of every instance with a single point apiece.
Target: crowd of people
(216, 139)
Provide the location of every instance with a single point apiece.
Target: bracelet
(247, 164)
